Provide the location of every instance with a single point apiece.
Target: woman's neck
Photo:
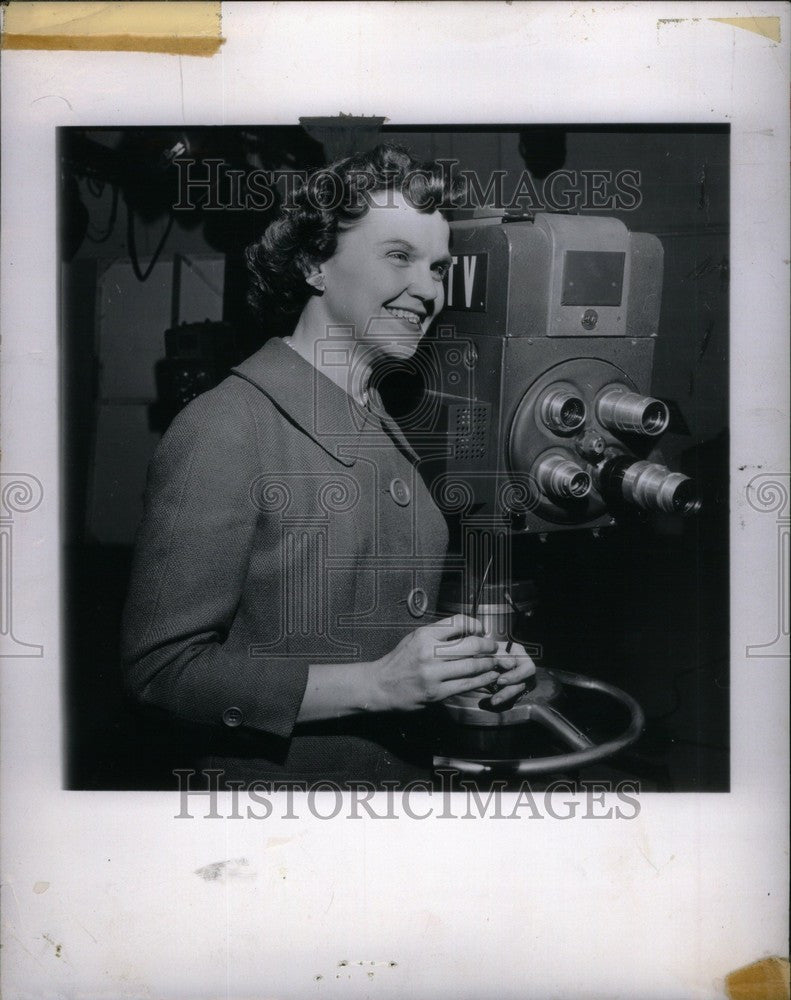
(311, 341)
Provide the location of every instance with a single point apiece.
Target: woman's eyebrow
(403, 244)
(406, 245)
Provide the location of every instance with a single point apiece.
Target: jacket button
(417, 602)
(232, 717)
(400, 492)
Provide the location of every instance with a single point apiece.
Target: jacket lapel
(317, 405)
(306, 397)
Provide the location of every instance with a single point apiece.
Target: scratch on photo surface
(84, 928)
(26, 950)
(645, 855)
(643, 846)
(5, 887)
(57, 97)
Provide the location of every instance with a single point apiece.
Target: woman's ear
(316, 279)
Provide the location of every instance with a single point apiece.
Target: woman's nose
(424, 285)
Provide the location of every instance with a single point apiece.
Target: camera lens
(649, 486)
(561, 479)
(631, 413)
(562, 411)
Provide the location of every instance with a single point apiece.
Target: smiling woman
(384, 282)
(288, 565)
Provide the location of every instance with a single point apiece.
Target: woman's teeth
(406, 314)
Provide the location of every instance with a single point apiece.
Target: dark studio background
(645, 608)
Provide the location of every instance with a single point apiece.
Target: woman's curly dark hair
(305, 233)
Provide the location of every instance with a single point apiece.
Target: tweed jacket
(283, 526)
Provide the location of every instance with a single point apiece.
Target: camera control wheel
(536, 706)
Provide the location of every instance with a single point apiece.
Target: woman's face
(386, 277)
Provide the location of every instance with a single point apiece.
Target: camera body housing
(539, 373)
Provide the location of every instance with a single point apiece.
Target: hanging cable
(110, 222)
(132, 245)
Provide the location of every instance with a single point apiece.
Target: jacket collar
(316, 404)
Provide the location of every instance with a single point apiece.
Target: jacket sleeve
(192, 554)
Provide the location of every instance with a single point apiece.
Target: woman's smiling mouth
(409, 315)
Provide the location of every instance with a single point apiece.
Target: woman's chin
(401, 349)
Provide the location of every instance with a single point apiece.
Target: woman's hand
(429, 665)
(517, 668)
(447, 658)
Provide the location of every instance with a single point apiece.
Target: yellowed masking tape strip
(769, 27)
(189, 28)
(766, 979)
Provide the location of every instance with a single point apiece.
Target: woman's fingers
(469, 645)
(465, 661)
(519, 673)
(465, 684)
(515, 666)
(455, 626)
(475, 667)
(506, 694)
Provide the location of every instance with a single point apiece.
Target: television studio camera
(536, 417)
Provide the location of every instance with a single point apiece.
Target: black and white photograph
(394, 503)
(395, 454)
